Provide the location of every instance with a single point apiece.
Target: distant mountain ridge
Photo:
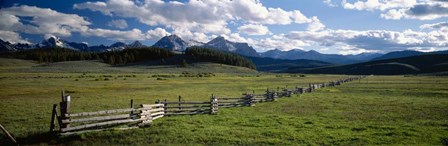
(295, 54)
(406, 53)
(54, 42)
(175, 43)
(283, 65)
(420, 64)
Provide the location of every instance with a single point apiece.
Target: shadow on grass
(42, 138)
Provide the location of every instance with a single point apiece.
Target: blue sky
(328, 26)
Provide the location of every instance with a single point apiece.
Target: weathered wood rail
(189, 107)
(70, 123)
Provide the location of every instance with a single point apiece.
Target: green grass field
(378, 110)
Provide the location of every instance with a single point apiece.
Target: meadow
(378, 110)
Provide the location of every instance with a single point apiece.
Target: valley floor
(378, 110)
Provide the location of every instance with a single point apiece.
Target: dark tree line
(131, 55)
(135, 55)
(210, 55)
(47, 55)
(125, 56)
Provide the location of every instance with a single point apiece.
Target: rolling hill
(430, 63)
(280, 65)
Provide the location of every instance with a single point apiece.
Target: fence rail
(70, 123)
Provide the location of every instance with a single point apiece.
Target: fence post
(164, 106)
(179, 102)
(268, 95)
(53, 117)
(132, 107)
(252, 99)
(7, 134)
(65, 108)
(213, 105)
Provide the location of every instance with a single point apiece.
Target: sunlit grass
(378, 110)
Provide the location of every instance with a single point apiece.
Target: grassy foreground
(378, 110)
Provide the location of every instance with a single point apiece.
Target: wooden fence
(189, 107)
(70, 123)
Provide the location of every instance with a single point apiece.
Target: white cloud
(120, 23)
(393, 14)
(279, 41)
(209, 17)
(134, 34)
(254, 29)
(12, 37)
(382, 5)
(423, 49)
(315, 24)
(374, 39)
(43, 21)
(348, 49)
(439, 25)
(52, 23)
(398, 9)
(329, 3)
(156, 34)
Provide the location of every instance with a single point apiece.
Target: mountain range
(53, 42)
(314, 55)
(419, 64)
(175, 43)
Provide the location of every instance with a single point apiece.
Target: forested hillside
(210, 55)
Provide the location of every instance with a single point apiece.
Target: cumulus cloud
(315, 25)
(52, 23)
(156, 34)
(372, 40)
(193, 16)
(253, 29)
(398, 9)
(134, 34)
(382, 5)
(43, 21)
(12, 37)
(120, 23)
(279, 41)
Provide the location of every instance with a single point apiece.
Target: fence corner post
(65, 108)
(251, 100)
(213, 105)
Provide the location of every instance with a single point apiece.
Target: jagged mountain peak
(173, 36)
(118, 44)
(5, 46)
(220, 43)
(135, 44)
(172, 42)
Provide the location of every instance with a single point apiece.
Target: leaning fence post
(8, 134)
(53, 117)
